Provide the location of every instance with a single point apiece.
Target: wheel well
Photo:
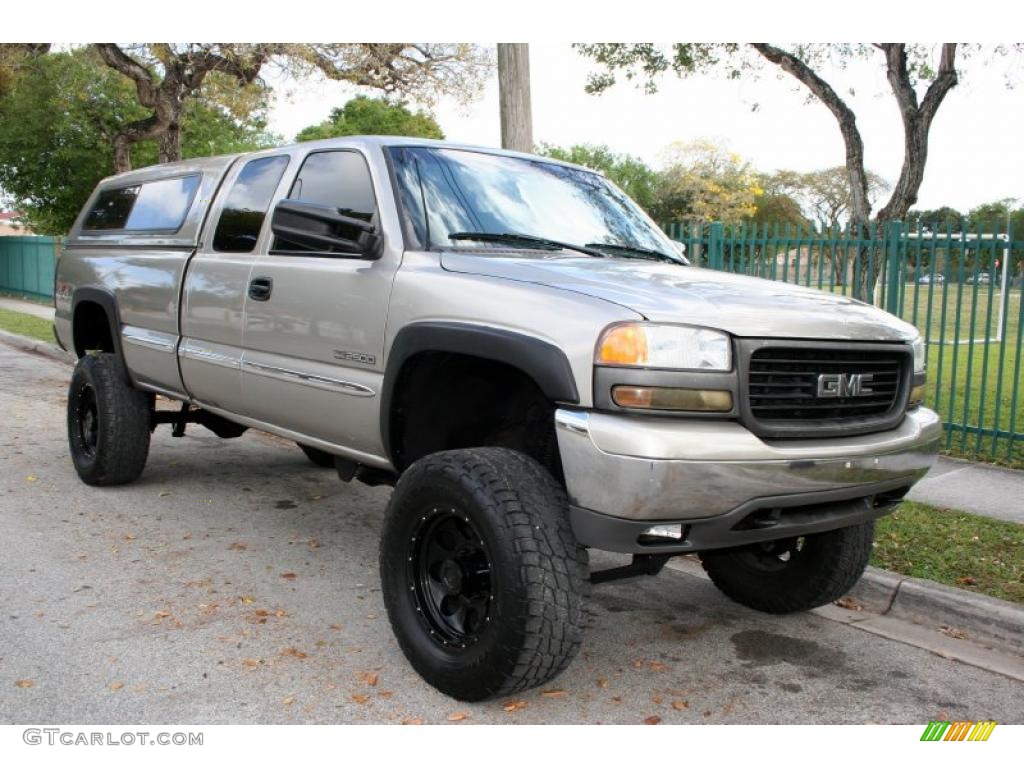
(91, 328)
(444, 401)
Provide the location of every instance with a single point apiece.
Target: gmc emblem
(844, 384)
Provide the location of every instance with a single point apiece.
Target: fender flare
(107, 301)
(543, 362)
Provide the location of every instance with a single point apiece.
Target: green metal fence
(27, 264)
(961, 288)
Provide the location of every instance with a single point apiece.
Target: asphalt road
(236, 583)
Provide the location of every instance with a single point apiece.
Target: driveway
(237, 583)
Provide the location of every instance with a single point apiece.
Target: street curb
(985, 620)
(26, 344)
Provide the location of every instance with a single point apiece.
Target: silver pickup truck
(518, 349)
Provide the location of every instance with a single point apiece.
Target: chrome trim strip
(142, 337)
(193, 351)
(577, 422)
(308, 379)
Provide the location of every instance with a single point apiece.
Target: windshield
(460, 193)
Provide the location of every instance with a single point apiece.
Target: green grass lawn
(26, 325)
(955, 548)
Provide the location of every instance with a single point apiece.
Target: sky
(974, 155)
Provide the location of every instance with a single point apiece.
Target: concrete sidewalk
(972, 487)
(27, 307)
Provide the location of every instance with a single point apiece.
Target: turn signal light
(672, 399)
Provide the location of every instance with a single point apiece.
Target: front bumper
(724, 485)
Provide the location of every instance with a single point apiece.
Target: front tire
(481, 574)
(108, 422)
(792, 574)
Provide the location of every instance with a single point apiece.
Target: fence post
(716, 250)
(893, 267)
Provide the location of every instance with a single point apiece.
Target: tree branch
(793, 65)
(120, 61)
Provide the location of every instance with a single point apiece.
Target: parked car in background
(928, 279)
(982, 278)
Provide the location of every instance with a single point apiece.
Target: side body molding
(545, 363)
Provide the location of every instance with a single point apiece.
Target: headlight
(647, 345)
(920, 355)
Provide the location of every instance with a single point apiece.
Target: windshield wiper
(636, 252)
(527, 241)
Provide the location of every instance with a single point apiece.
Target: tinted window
(163, 204)
(338, 179)
(111, 209)
(246, 206)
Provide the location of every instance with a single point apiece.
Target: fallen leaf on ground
(162, 614)
(360, 698)
(24, 683)
(456, 717)
(513, 706)
(313, 543)
(617, 699)
(412, 721)
(849, 604)
(652, 720)
(294, 652)
(31, 478)
(554, 693)
(679, 704)
(251, 662)
(657, 699)
(386, 694)
(248, 599)
(238, 545)
(968, 580)
(954, 632)
(129, 537)
(370, 678)
(280, 613)
(116, 686)
(602, 682)
(335, 626)
(288, 701)
(288, 575)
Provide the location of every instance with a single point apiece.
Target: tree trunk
(170, 143)
(514, 96)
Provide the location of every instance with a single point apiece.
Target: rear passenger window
(339, 179)
(111, 209)
(246, 205)
(152, 206)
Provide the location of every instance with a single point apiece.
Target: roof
(218, 163)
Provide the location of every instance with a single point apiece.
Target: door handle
(260, 288)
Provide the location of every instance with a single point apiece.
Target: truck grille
(783, 398)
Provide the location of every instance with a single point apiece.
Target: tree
(996, 217)
(631, 174)
(936, 220)
(825, 195)
(774, 206)
(167, 76)
(514, 103)
(702, 181)
(57, 122)
(373, 117)
(908, 68)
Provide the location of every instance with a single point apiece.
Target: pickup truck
(519, 350)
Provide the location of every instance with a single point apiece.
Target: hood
(740, 305)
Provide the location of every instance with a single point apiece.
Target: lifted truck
(513, 344)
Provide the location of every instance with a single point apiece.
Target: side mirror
(323, 229)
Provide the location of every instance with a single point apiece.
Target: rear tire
(318, 457)
(481, 574)
(792, 574)
(108, 422)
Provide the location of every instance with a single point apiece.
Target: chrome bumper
(670, 469)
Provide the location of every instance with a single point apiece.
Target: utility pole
(514, 96)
